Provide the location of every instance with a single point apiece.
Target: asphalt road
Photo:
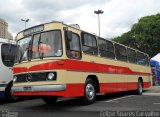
(118, 104)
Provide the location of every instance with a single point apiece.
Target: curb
(151, 94)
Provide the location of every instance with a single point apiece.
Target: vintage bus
(58, 60)
(7, 56)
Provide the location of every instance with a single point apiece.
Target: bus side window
(89, 44)
(141, 59)
(131, 55)
(73, 48)
(106, 48)
(120, 52)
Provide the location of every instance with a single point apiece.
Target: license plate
(27, 88)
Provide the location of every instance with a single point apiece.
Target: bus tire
(50, 100)
(9, 95)
(140, 87)
(89, 92)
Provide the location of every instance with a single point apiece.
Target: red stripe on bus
(75, 90)
(75, 65)
(117, 87)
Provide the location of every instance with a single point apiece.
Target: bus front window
(45, 44)
(50, 44)
(22, 49)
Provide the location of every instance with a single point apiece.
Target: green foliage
(144, 35)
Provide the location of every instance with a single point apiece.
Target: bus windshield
(45, 44)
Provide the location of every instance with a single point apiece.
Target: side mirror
(69, 35)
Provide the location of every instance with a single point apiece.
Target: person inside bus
(73, 54)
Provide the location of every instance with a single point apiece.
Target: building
(4, 30)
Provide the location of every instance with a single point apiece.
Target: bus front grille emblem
(28, 77)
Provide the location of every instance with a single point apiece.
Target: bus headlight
(14, 78)
(51, 76)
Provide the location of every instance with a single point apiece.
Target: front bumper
(3, 87)
(40, 88)
(2, 90)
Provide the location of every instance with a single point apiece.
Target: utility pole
(98, 12)
(25, 21)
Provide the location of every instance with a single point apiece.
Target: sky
(118, 16)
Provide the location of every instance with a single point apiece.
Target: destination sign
(33, 30)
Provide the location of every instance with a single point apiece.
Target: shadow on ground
(65, 105)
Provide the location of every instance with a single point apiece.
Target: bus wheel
(140, 87)
(9, 94)
(49, 100)
(89, 92)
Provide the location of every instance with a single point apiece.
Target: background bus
(57, 60)
(7, 57)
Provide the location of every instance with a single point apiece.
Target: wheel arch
(10, 83)
(141, 79)
(94, 78)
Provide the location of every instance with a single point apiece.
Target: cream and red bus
(58, 60)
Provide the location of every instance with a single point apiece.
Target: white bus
(7, 56)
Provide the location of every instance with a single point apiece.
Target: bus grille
(32, 77)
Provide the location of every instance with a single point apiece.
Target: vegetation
(144, 35)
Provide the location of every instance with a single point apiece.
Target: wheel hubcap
(90, 91)
(140, 87)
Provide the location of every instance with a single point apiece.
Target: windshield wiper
(41, 55)
(29, 51)
(29, 54)
(26, 54)
(20, 56)
(39, 43)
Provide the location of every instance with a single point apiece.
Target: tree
(144, 35)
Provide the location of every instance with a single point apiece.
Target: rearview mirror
(69, 35)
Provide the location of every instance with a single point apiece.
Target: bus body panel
(73, 73)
